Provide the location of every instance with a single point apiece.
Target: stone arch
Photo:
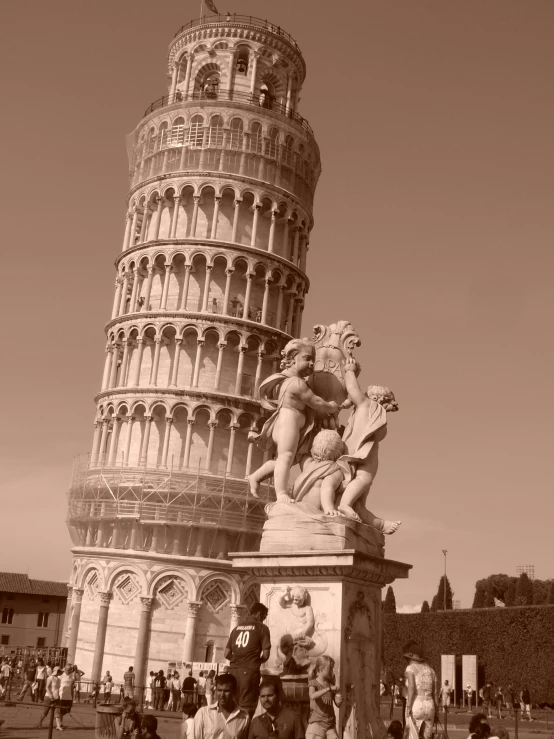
(156, 579)
(214, 577)
(86, 571)
(119, 569)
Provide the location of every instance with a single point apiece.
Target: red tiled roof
(13, 582)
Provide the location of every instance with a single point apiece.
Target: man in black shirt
(188, 688)
(248, 648)
(159, 691)
(276, 721)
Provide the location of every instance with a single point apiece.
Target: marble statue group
(318, 379)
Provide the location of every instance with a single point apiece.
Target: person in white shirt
(51, 699)
(40, 678)
(5, 675)
(224, 718)
(108, 686)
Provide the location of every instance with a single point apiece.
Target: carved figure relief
(302, 642)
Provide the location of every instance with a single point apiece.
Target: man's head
(225, 669)
(446, 683)
(108, 673)
(130, 669)
(269, 696)
(258, 611)
(190, 673)
(189, 710)
(225, 691)
(150, 724)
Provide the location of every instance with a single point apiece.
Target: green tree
(479, 597)
(524, 591)
(496, 584)
(438, 600)
(550, 596)
(425, 607)
(489, 600)
(511, 594)
(389, 606)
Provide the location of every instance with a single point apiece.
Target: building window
(7, 616)
(42, 620)
(41, 641)
(4, 640)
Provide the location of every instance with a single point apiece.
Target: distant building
(456, 604)
(31, 612)
(528, 569)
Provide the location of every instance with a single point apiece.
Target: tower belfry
(210, 285)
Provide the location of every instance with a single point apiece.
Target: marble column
(165, 448)
(123, 300)
(190, 57)
(230, 453)
(249, 278)
(102, 452)
(145, 440)
(225, 309)
(176, 359)
(141, 650)
(67, 615)
(255, 218)
(96, 671)
(240, 367)
(265, 300)
(216, 215)
(188, 441)
(254, 68)
(175, 216)
(144, 224)
(174, 75)
(157, 222)
(270, 245)
(236, 215)
(190, 632)
(156, 362)
(75, 620)
(96, 442)
(134, 291)
(237, 613)
(221, 347)
(165, 290)
(249, 454)
(259, 366)
(285, 248)
(278, 319)
(117, 297)
(210, 450)
(185, 295)
(133, 233)
(194, 220)
(127, 235)
(140, 351)
(130, 421)
(113, 443)
(206, 293)
(124, 363)
(198, 362)
(148, 291)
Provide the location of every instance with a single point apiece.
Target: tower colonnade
(210, 285)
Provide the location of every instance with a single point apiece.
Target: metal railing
(231, 96)
(234, 18)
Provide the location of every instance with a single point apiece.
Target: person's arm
(312, 400)
(411, 692)
(266, 645)
(228, 652)
(199, 725)
(119, 722)
(285, 599)
(315, 693)
(351, 382)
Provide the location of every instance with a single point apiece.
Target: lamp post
(444, 551)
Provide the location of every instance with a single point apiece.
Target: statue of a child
(289, 429)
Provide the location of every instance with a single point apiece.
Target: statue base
(344, 595)
(293, 527)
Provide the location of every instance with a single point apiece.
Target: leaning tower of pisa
(210, 284)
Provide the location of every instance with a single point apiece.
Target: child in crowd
(321, 681)
(187, 727)
(150, 727)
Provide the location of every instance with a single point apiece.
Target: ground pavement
(20, 720)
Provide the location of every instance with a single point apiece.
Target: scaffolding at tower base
(142, 499)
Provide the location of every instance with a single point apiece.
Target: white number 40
(242, 639)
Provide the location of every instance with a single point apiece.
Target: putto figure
(367, 426)
(288, 431)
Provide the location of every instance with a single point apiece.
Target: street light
(444, 551)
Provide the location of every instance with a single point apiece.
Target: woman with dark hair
(476, 719)
(421, 706)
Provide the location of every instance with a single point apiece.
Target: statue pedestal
(344, 594)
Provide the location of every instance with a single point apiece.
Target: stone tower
(210, 285)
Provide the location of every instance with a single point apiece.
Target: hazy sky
(433, 235)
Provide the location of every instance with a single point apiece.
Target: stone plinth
(290, 528)
(343, 603)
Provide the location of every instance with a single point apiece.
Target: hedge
(513, 645)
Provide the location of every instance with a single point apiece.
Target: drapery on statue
(290, 428)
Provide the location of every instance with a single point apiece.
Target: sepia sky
(433, 236)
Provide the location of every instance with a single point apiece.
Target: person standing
(41, 679)
(176, 691)
(323, 694)
(209, 687)
(469, 696)
(128, 684)
(446, 693)
(51, 698)
(188, 689)
(276, 721)
(498, 701)
(78, 674)
(67, 682)
(487, 696)
(108, 687)
(224, 719)
(30, 674)
(159, 690)
(5, 677)
(510, 700)
(247, 649)
(421, 706)
(525, 700)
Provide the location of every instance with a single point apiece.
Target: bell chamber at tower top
(229, 122)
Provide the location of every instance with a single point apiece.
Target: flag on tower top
(211, 6)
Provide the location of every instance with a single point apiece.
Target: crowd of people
(225, 705)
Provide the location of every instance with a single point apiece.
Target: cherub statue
(289, 429)
(322, 482)
(366, 427)
(296, 598)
